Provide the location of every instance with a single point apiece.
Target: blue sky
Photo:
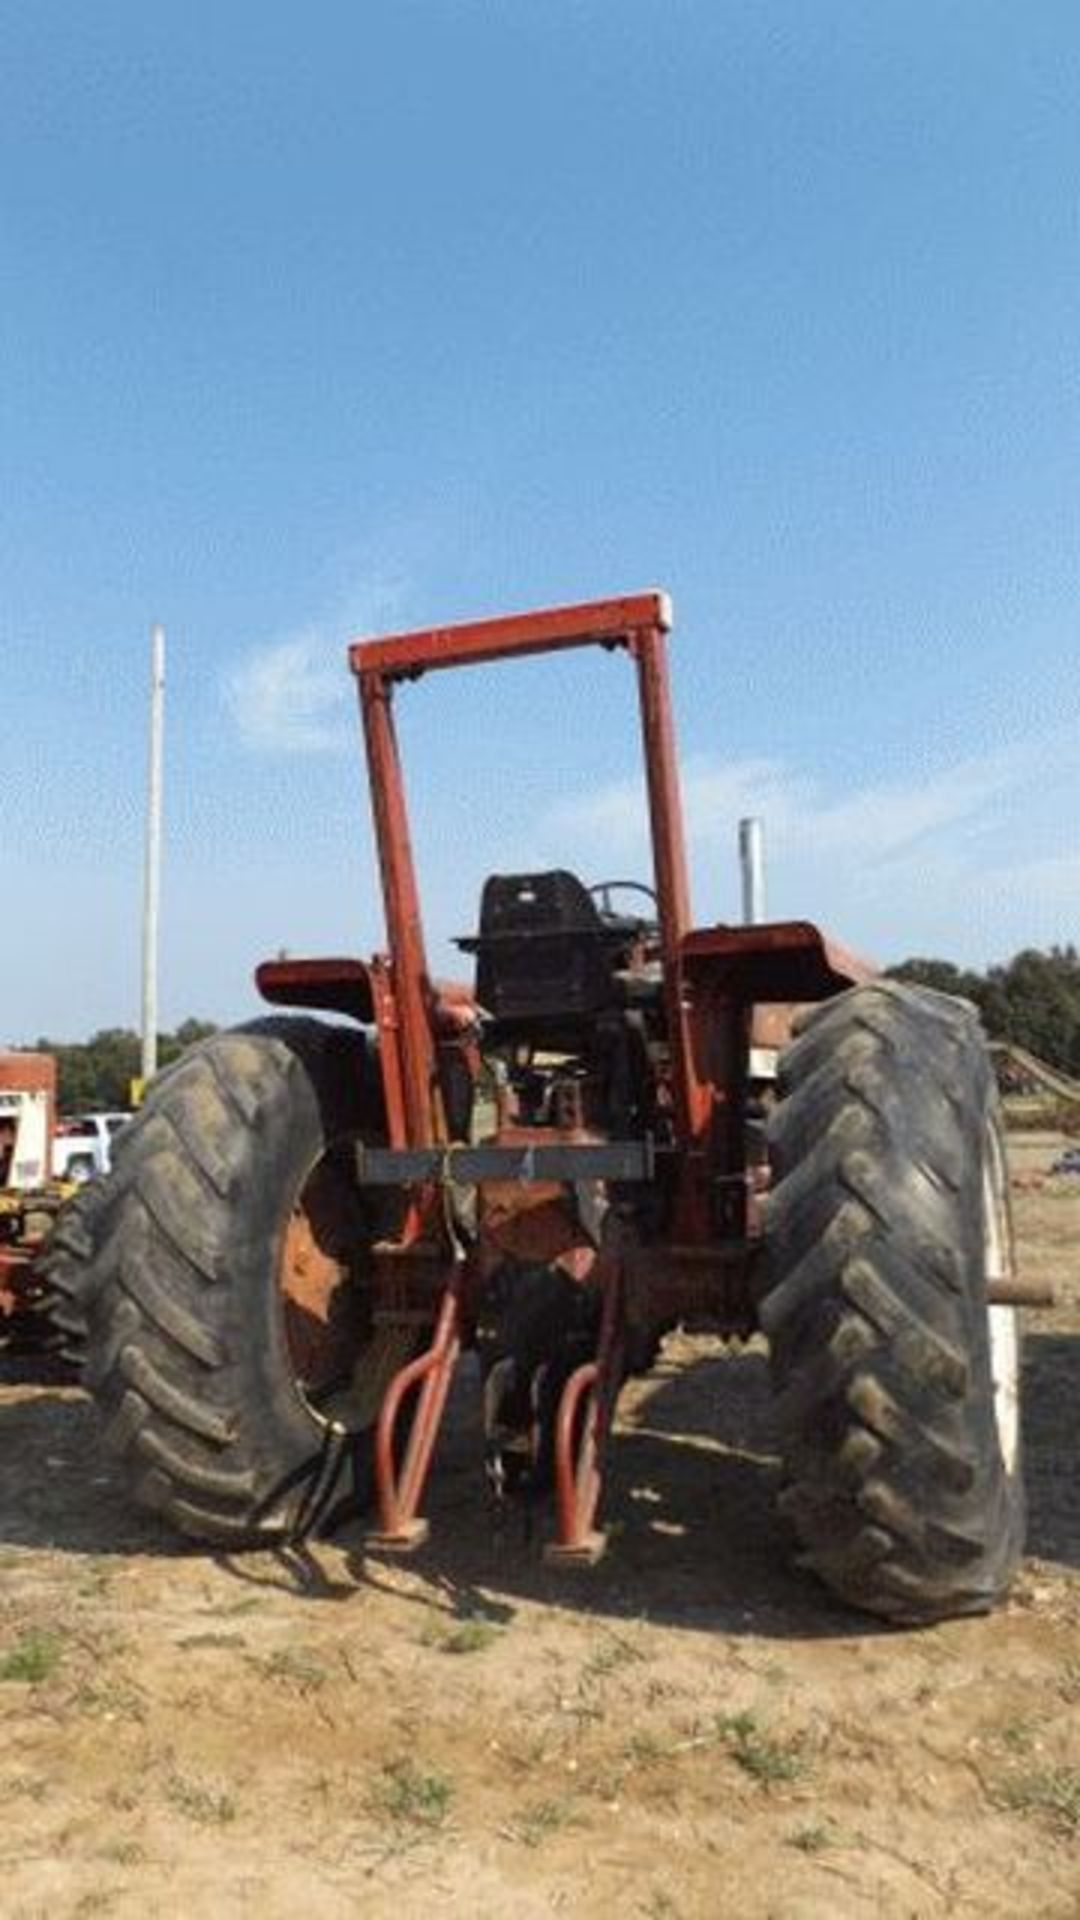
(318, 321)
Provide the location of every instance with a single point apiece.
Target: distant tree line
(1033, 1001)
(98, 1072)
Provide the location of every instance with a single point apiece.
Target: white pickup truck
(82, 1145)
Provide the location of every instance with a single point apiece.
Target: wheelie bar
(399, 1494)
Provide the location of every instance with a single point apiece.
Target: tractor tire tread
(873, 1302)
(184, 1353)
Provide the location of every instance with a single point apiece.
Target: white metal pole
(152, 878)
(752, 861)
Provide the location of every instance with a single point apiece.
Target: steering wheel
(604, 889)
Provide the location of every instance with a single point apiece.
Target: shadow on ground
(57, 1490)
(690, 1511)
(694, 1535)
(694, 1538)
(1051, 1402)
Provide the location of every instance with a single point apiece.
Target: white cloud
(294, 694)
(973, 859)
(291, 696)
(877, 822)
(615, 815)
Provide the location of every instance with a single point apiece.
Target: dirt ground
(692, 1729)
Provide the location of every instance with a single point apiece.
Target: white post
(152, 878)
(752, 861)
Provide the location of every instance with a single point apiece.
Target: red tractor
(555, 1166)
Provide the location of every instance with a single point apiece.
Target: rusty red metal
(388, 1029)
(582, 1427)
(315, 1276)
(411, 983)
(640, 623)
(727, 976)
(340, 986)
(25, 1224)
(399, 1493)
(535, 1221)
(33, 1074)
(16, 1274)
(692, 1095)
(468, 643)
(784, 960)
(347, 985)
(724, 991)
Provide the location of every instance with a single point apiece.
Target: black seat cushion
(543, 950)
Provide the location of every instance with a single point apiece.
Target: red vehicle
(553, 1165)
(32, 1198)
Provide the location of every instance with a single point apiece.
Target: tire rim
(1004, 1331)
(343, 1358)
(323, 1303)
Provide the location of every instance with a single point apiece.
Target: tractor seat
(544, 953)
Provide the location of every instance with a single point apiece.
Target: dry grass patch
(1051, 1794)
(206, 1805)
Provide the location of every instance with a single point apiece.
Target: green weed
(544, 1817)
(813, 1838)
(472, 1636)
(770, 1762)
(644, 1749)
(410, 1797)
(613, 1652)
(33, 1658)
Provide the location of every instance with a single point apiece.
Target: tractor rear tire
(896, 1382)
(63, 1268)
(192, 1350)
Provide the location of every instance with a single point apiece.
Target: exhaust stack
(752, 863)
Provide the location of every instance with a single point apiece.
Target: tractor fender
(347, 986)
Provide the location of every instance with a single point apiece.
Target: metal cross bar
(615, 1160)
(592, 623)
